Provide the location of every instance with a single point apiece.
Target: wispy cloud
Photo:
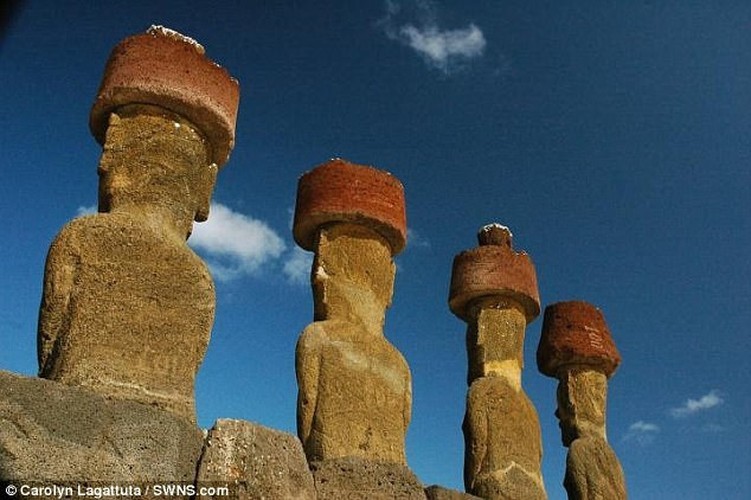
(443, 49)
(692, 406)
(416, 239)
(297, 266)
(235, 244)
(645, 433)
(81, 211)
(642, 432)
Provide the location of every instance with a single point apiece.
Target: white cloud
(416, 240)
(235, 244)
(693, 406)
(642, 426)
(81, 211)
(441, 48)
(642, 432)
(297, 267)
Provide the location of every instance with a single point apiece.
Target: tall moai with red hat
(127, 306)
(355, 393)
(576, 347)
(494, 289)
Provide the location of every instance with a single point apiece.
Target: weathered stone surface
(582, 399)
(166, 69)
(513, 484)
(493, 269)
(357, 479)
(257, 462)
(503, 450)
(53, 433)
(354, 276)
(495, 340)
(593, 471)
(494, 289)
(339, 191)
(577, 348)
(127, 307)
(436, 492)
(354, 386)
(575, 333)
(355, 394)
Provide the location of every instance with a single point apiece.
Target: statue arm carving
(307, 367)
(54, 313)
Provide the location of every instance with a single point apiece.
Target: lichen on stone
(158, 29)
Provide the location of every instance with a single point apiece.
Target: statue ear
(204, 192)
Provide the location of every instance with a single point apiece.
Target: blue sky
(614, 138)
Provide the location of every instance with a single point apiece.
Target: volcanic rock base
(53, 433)
(256, 461)
(358, 479)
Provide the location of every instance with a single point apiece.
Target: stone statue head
(353, 273)
(165, 114)
(582, 399)
(156, 160)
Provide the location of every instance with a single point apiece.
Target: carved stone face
(155, 159)
(353, 273)
(582, 399)
(495, 339)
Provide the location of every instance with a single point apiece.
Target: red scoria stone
(340, 191)
(493, 269)
(575, 334)
(165, 69)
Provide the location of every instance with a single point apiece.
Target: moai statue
(494, 289)
(576, 348)
(127, 307)
(355, 392)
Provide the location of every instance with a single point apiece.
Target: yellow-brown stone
(577, 348)
(582, 400)
(494, 290)
(354, 386)
(503, 449)
(495, 340)
(127, 307)
(593, 471)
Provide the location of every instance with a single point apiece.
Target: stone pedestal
(54, 434)
(127, 307)
(494, 289)
(354, 386)
(363, 479)
(577, 348)
(436, 492)
(255, 462)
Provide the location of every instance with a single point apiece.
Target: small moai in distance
(494, 289)
(576, 347)
(127, 307)
(355, 392)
